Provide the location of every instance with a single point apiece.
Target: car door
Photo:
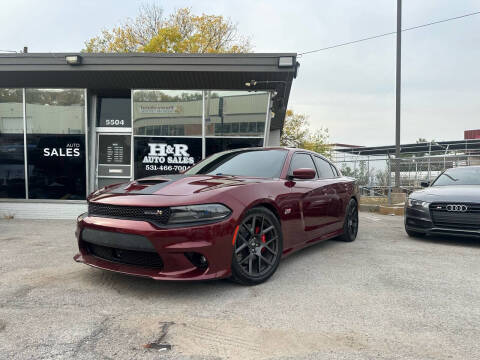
(311, 196)
(335, 191)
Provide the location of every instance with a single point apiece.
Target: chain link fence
(375, 174)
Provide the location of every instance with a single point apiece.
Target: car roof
(259, 148)
(287, 148)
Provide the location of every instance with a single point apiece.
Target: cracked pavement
(384, 296)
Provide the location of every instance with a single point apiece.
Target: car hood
(453, 193)
(174, 185)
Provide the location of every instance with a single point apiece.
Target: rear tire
(350, 227)
(258, 247)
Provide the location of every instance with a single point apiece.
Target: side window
(335, 171)
(300, 161)
(324, 169)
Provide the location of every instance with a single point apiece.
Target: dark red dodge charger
(235, 214)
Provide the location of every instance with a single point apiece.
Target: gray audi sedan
(450, 205)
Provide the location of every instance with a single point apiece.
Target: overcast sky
(350, 90)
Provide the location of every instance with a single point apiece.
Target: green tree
(181, 32)
(362, 173)
(297, 133)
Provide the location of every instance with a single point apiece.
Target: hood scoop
(146, 186)
(148, 181)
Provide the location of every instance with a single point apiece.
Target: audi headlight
(413, 203)
(198, 213)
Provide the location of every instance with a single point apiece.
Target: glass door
(114, 141)
(113, 158)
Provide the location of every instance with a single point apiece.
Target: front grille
(158, 215)
(469, 219)
(122, 256)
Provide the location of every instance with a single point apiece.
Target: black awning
(154, 71)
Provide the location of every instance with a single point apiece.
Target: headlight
(417, 203)
(198, 213)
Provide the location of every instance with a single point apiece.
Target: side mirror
(304, 173)
(425, 184)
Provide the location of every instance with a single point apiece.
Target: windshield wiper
(450, 177)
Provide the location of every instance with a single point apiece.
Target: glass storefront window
(114, 112)
(215, 145)
(235, 113)
(12, 167)
(56, 156)
(161, 156)
(167, 112)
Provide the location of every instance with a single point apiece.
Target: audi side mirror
(425, 183)
(304, 174)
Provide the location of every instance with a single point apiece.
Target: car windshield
(256, 163)
(459, 176)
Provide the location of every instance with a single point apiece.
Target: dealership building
(72, 123)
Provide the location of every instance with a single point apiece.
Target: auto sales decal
(70, 150)
(168, 154)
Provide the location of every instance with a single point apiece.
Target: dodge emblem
(153, 212)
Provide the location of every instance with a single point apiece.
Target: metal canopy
(154, 71)
(439, 146)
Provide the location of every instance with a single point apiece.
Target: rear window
(253, 163)
(324, 168)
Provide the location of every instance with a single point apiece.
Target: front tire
(350, 227)
(258, 247)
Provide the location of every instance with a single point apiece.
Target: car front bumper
(119, 237)
(420, 221)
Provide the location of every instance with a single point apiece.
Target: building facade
(70, 124)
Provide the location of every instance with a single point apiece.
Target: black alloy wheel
(350, 227)
(258, 247)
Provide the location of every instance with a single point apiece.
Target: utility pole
(397, 94)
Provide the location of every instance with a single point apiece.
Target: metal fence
(375, 174)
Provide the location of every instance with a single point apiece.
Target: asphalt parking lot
(384, 296)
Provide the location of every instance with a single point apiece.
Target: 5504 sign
(114, 122)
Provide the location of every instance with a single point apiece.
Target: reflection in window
(55, 111)
(56, 143)
(114, 112)
(235, 113)
(12, 168)
(215, 145)
(324, 168)
(167, 112)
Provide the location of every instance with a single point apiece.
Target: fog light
(198, 260)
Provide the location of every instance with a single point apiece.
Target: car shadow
(448, 240)
(141, 287)
(310, 251)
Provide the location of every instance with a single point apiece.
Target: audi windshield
(459, 176)
(251, 163)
